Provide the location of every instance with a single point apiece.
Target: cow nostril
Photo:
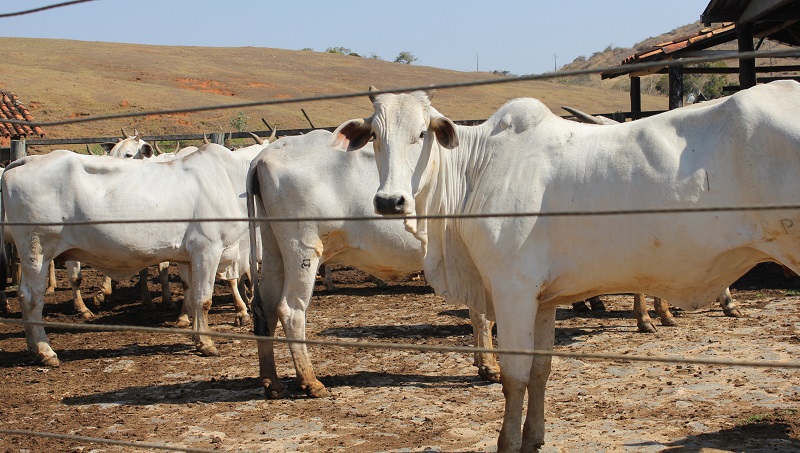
(389, 205)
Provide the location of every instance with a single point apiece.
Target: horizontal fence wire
(104, 441)
(402, 346)
(615, 212)
(441, 86)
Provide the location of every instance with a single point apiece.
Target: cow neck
(449, 175)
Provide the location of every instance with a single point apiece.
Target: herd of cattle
(455, 191)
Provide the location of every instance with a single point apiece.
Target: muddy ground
(156, 389)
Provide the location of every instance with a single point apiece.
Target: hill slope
(59, 79)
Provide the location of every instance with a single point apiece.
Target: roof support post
(636, 98)
(747, 67)
(675, 87)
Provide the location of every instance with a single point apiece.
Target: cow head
(129, 147)
(403, 127)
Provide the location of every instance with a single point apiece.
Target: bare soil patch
(156, 389)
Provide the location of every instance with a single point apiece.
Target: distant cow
(301, 177)
(743, 150)
(66, 187)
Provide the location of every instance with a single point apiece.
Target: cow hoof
(669, 322)
(241, 320)
(580, 307)
(50, 291)
(86, 314)
(276, 394)
(182, 323)
(735, 313)
(646, 327)
(99, 298)
(51, 361)
(489, 374)
(317, 391)
(209, 351)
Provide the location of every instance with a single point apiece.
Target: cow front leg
(33, 284)
(147, 299)
(75, 277)
(515, 330)
(544, 338)
(643, 321)
(203, 273)
(488, 368)
(163, 280)
(728, 305)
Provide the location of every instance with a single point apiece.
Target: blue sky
(523, 37)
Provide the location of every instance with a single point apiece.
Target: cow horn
(205, 139)
(273, 136)
(124, 134)
(135, 131)
(158, 150)
(587, 118)
(177, 146)
(371, 96)
(138, 135)
(256, 138)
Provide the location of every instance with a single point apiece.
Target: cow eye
(372, 136)
(422, 135)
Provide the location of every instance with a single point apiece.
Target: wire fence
(376, 345)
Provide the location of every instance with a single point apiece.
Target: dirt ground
(156, 389)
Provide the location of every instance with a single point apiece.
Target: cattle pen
(698, 386)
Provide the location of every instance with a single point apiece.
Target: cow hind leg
(106, 289)
(203, 273)
(643, 321)
(265, 323)
(242, 316)
(662, 310)
(75, 277)
(488, 368)
(51, 280)
(183, 319)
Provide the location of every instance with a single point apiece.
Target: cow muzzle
(389, 205)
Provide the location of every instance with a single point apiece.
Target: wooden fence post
(18, 150)
(218, 138)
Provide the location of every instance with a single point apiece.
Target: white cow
(301, 177)
(63, 186)
(743, 150)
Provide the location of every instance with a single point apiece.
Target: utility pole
(477, 63)
(555, 62)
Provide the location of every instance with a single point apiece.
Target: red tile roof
(12, 108)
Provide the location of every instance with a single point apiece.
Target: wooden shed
(747, 22)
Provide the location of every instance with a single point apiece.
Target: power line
(43, 8)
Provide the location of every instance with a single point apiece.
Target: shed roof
(12, 108)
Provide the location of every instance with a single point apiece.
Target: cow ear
(351, 135)
(146, 151)
(445, 131)
(108, 146)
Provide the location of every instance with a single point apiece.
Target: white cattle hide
(744, 150)
(301, 177)
(64, 187)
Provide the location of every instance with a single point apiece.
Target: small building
(12, 108)
(742, 21)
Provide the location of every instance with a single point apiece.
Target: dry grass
(60, 79)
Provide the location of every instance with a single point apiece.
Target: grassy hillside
(59, 79)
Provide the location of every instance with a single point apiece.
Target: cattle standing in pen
(284, 184)
(741, 151)
(63, 187)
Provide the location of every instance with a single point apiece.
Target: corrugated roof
(12, 108)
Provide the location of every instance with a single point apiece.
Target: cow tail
(259, 320)
(3, 256)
